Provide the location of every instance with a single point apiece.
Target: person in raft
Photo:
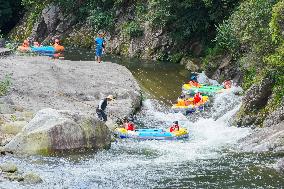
(100, 46)
(102, 107)
(174, 127)
(193, 80)
(227, 84)
(197, 97)
(25, 46)
(128, 125)
(36, 44)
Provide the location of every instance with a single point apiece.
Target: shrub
(132, 29)
(99, 19)
(277, 23)
(226, 39)
(4, 85)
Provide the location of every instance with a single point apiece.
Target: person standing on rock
(102, 106)
(100, 46)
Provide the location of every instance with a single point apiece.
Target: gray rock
(190, 64)
(13, 127)
(257, 95)
(13, 177)
(8, 167)
(32, 178)
(275, 117)
(280, 165)
(38, 83)
(264, 140)
(255, 98)
(51, 15)
(52, 131)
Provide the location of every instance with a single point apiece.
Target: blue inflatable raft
(151, 134)
(48, 50)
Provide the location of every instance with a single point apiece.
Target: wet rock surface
(52, 131)
(275, 117)
(73, 90)
(9, 171)
(255, 98)
(269, 139)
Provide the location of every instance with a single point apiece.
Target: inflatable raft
(44, 50)
(47, 49)
(187, 105)
(203, 89)
(151, 134)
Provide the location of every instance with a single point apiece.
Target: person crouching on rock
(102, 106)
(128, 125)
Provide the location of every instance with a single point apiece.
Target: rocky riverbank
(51, 104)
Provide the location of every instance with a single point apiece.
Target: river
(208, 159)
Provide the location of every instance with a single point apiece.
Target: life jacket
(194, 84)
(197, 98)
(181, 102)
(130, 127)
(174, 128)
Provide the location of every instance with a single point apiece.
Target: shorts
(99, 52)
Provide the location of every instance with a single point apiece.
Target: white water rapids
(148, 164)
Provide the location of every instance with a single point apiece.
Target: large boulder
(280, 165)
(52, 131)
(275, 117)
(39, 82)
(269, 139)
(52, 22)
(255, 98)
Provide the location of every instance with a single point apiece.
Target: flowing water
(208, 159)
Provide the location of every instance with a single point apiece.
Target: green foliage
(82, 37)
(132, 29)
(11, 45)
(10, 12)
(176, 58)
(4, 85)
(100, 20)
(226, 39)
(277, 23)
(159, 12)
(247, 27)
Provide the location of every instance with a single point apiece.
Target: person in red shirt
(197, 97)
(174, 127)
(128, 125)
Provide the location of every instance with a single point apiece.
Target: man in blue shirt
(100, 46)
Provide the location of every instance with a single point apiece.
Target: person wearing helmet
(128, 125)
(193, 80)
(102, 107)
(174, 127)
